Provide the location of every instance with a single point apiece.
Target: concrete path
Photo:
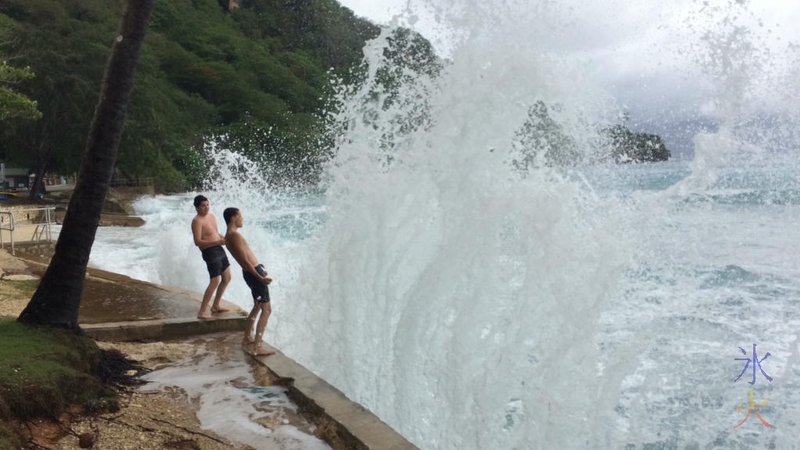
(115, 307)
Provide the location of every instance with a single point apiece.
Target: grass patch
(23, 288)
(8, 435)
(43, 370)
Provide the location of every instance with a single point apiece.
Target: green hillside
(256, 73)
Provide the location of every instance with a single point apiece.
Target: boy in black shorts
(256, 278)
(210, 242)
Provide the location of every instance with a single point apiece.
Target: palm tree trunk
(36, 187)
(57, 299)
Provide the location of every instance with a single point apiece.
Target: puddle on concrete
(219, 380)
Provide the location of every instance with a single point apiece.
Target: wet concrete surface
(106, 301)
(234, 397)
(113, 298)
(271, 397)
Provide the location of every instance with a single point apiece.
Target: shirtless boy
(256, 278)
(208, 239)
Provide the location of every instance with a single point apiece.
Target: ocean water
(474, 306)
(702, 276)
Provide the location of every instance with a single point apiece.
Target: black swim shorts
(257, 287)
(216, 260)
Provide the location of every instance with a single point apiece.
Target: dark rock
(86, 440)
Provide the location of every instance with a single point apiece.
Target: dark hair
(199, 199)
(229, 213)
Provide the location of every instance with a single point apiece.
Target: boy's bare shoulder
(200, 219)
(233, 237)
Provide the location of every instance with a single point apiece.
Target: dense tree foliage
(403, 86)
(253, 78)
(258, 70)
(13, 105)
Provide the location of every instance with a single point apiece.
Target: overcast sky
(643, 52)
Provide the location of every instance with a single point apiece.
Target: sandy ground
(12, 299)
(160, 420)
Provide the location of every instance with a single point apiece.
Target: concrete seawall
(118, 308)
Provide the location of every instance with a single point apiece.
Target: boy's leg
(212, 286)
(266, 310)
(248, 330)
(226, 279)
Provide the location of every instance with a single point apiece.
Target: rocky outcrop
(117, 209)
(120, 220)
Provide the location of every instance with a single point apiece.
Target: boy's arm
(214, 221)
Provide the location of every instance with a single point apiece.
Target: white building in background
(14, 178)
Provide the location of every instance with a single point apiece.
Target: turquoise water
(715, 270)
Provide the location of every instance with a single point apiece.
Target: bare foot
(219, 310)
(263, 352)
(205, 316)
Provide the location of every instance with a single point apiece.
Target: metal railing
(37, 229)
